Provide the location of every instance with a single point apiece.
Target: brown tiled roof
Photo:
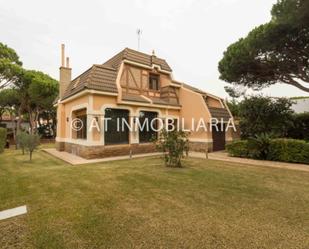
(160, 101)
(219, 113)
(103, 77)
(140, 98)
(135, 98)
(98, 77)
(138, 57)
(194, 89)
(176, 82)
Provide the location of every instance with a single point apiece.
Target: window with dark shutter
(116, 130)
(154, 82)
(82, 131)
(146, 134)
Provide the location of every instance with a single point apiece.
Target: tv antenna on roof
(139, 34)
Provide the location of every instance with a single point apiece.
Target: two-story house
(131, 85)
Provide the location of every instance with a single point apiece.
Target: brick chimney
(65, 73)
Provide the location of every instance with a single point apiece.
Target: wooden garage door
(218, 139)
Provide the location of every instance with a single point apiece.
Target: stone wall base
(200, 146)
(101, 151)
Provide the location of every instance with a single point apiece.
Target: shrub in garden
(300, 127)
(238, 148)
(174, 145)
(32, 142)
(2, 139)
(283, 150)
(289, 150)
(258, 147)
(28, 142)
(21, 138)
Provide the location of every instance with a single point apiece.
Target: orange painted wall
(193, 106)
(67, 109)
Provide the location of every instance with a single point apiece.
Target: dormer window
(154, 82)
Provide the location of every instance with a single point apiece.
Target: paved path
(76, 160)
(223, 156)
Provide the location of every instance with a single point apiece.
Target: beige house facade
(133, 86)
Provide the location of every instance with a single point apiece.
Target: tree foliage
(259, 114)
(34, 91)
(275, 52)
(38, 91)
(10, 65)
(8, 101)
(233, 107)
(300, 127)
(2, 139)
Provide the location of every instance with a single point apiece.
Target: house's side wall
(194, 108)
(64, 119)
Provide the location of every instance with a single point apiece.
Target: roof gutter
(84, 92)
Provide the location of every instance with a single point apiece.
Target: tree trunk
(292, 82)
(19, 120)
(14, 128)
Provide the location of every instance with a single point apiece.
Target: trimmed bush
(238, 148)
(289, 150)
(2, 139)
(283, 150)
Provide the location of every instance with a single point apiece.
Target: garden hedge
(284, 150)
(289, 150)
(2, 139)
(238, 148)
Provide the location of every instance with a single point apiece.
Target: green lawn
(141, 204)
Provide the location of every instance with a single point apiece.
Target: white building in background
(301, 105)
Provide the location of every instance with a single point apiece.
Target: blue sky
(190, 34)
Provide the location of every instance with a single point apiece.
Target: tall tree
(9, 103)
(37, 91)
(43, 90)
(10, 66)
(275, 52)
(259, 114)
(34, 91)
